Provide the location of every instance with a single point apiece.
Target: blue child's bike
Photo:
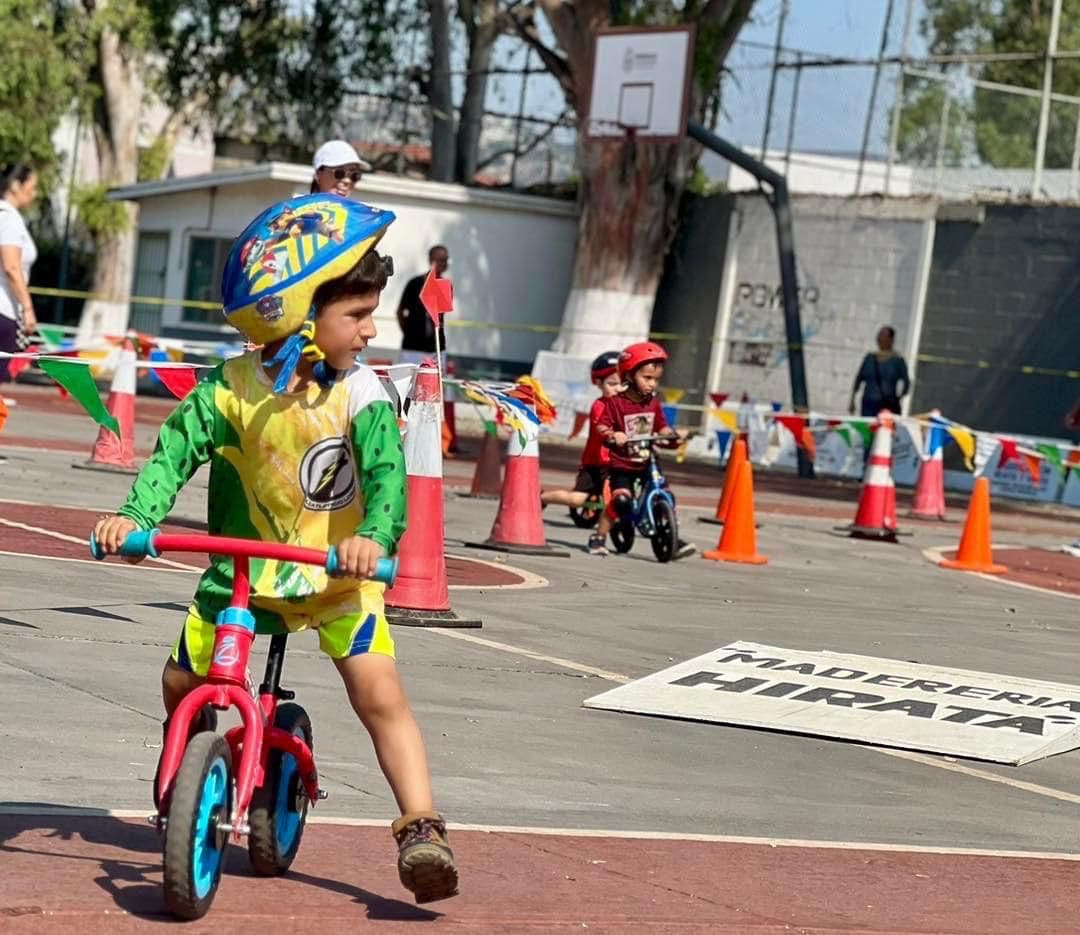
(653, 511)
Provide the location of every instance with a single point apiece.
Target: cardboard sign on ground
(862, 698)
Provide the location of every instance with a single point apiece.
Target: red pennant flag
(1009, 452)
(1032, 464)
(437, 296)
(796, 425)
(719, 398)
(808, 444)
(17, 365)
(580, 418)
(178, 381)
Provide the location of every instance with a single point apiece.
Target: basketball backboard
(640, 83)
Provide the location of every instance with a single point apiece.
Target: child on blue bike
(592, 474)
(304, 449)
(629, 421)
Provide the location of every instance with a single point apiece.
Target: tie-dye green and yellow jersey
(307, 468)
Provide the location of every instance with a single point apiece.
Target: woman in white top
(18, 188)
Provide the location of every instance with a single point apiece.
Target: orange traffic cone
(421, 596)
(487, 478)
(929, 501)
(876, 516)
(975, 552)
(518, 526)
(117, 452)
(738, 456)
(738, 541)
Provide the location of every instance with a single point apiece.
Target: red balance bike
(259, 778)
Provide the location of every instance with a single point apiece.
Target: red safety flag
(1009, 452)
(178, 381)
(437, 296)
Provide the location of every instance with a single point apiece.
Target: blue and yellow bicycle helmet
(282, 257)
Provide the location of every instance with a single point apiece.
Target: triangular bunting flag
(75, 379)
(1031, 462)
(1009, 452)
(672, 396)
(966, 441)
(727, 417)
(718, 399)
(794, 424)
(177, 381)
(844, 431)
(865, 432)
(1053, 456)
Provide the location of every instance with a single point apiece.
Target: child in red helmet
(592, 474)
(632, 416)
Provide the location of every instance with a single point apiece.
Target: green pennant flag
(53, 336)
(1053, 456)
(76, 379)
(844, 432)
(863, 428)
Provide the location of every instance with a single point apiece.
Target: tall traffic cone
(738, 541)
(487, 478)
(975, 552)
(929, 502)
(518, 526)
(876, 516)
(117, 452)
(731, 475)
(421, 596)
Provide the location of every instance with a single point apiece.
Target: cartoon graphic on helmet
(637, 355)
(286, 253)
(605, 365)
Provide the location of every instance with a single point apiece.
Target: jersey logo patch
(327, 475)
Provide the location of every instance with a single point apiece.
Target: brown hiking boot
(425, 861)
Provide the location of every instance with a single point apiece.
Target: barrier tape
(526, 328)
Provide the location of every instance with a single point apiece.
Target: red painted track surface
(77, 523)
(1041, 568)
(88, 875)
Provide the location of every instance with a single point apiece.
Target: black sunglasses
(340, 173)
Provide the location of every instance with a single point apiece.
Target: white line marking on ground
(66, 538)
(1019, 784)
(934, 554)
(529, 580)
(529, 654)
(185, 570)
(39, 811)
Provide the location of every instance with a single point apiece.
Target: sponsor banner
(862, 698)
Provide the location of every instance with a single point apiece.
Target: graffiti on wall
(757, 337)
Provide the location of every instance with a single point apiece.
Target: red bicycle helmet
(637, 355)
(605, 365)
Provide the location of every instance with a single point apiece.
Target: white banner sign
(862, 698)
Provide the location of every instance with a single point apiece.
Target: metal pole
(873, 94)
(794, 110)
(1044, 109)
(772, 79)
(898, 103)
(520, 114)
(942, 137)
(58, 302)
(1073, 178)
(780, 202)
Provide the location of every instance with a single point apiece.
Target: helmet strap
(301, 344)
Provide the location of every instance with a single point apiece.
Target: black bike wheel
(666, 531)
(199, 804)
(622, 535)
(279, 806)
(583, 517)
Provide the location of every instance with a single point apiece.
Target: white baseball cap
(338, 153)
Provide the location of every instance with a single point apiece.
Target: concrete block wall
(859, 267)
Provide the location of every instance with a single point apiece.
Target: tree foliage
(991, 126)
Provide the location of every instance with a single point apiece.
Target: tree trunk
(116, 129)
(629, 197)
(482, 29)
(440, 99)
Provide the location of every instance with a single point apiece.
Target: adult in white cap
(338, 167)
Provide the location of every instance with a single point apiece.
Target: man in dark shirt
(417, 328)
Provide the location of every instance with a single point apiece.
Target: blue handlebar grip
(138, 544)
(385, 570)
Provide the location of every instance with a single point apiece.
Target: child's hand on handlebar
(111, 531)
(357, 557)
(619, 438)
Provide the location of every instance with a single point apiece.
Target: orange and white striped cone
(518, 526)
(876, 516)
(117, 452)
(929, 501)
(421, 597)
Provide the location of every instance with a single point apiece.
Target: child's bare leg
(175, 684)
(563, 497)
(378, 698)
(604, 526)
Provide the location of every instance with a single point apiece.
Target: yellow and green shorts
(344, 631)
